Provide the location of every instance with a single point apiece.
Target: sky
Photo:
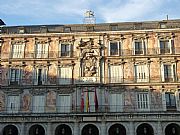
(44, 12)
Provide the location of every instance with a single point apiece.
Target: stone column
(76, 128)
(131, 128)
(159, 129)
(49, 132)
(103, 128)
(1, 129)
(23, 129)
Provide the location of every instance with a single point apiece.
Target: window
(115, 73)
(40, 76)
(18, 51)
(41, 50)
(139, 47)
(65, 50)
(116, 103)
(168, 72)
(141, 73)
(170, 100)
(13, 104)
(15, 76)
(143, 101)
(114, 48)
(38, 104)
(165, 46)
(64, 103)
(65, 75)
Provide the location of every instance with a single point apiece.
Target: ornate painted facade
(98, 79)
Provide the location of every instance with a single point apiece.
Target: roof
(68, 28)
(2, 23)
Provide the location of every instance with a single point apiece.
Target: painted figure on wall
(51, 101)
(2, 101)
(26, 102)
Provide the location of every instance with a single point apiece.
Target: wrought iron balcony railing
(66, 54)
(84, 109)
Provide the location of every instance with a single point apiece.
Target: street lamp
(145, 130)
(10, 132)
(37, 131)
(173, 130)
(90, 131)
(117, 130)
(63, 131)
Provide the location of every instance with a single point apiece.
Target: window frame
(141, 76)
(68, 53)
(173, 71)
(170, 45)
(17, 76)
(143, 46)
(170, 105)
(119, 44)
(141, 104)
(41, 50)
(18, 50)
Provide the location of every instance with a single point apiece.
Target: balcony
(71, 109)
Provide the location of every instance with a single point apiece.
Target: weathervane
(89, 17)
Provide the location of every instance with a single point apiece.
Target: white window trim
(43, 50)
(44, 75)
(19, 72)
(146, 73)
(115, 79)
(70, 49)
(69, 81)
(17, 53)
(60, 107)
(144, 44)
(169, 43)
(16, 106)
(119, 48)
(173, 67)
(148, 101)
(34, 108)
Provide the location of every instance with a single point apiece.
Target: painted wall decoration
(27, 75)
(51, 101)
(26, 102)
(2, 101)
(129, 100)
(4, 73)
(156, 99)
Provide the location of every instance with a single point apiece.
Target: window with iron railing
(17, 51)
(15, 76)
(143, 101)
(41, 51)
(65, 50)
(165, 46)
(114, 48)
(139, 47)
(168, 72)
(141, 73)
(170, 100)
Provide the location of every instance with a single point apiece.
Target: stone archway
(117, 129)
(63, 130)
(144, 129)
(36, 130)
(90, 129)
(10, 130)
(172, 129)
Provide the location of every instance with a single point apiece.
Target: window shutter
(164, 101)
(38, 104)
(177, 101)
(46, 50)
(35, 76)
(44, 75)
(162, 72)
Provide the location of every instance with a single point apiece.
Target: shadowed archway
(63, 130)
(172, 129)
(10, 130)
(90, 129)
(144, 129)
(117, 129)
(36, 130)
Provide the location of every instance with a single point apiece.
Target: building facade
(98, 79)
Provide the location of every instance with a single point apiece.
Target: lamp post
(90, 131)
(117, 131)
(145, 130)
(10, 132)
(173, 131)
(63, 131)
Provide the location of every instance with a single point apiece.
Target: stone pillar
(49, 132)
(131, 128)
(103, 128)
(23, 129)
(159, 129)
(76, 128)
(1, 129)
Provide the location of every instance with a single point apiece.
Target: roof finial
(89, 17)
